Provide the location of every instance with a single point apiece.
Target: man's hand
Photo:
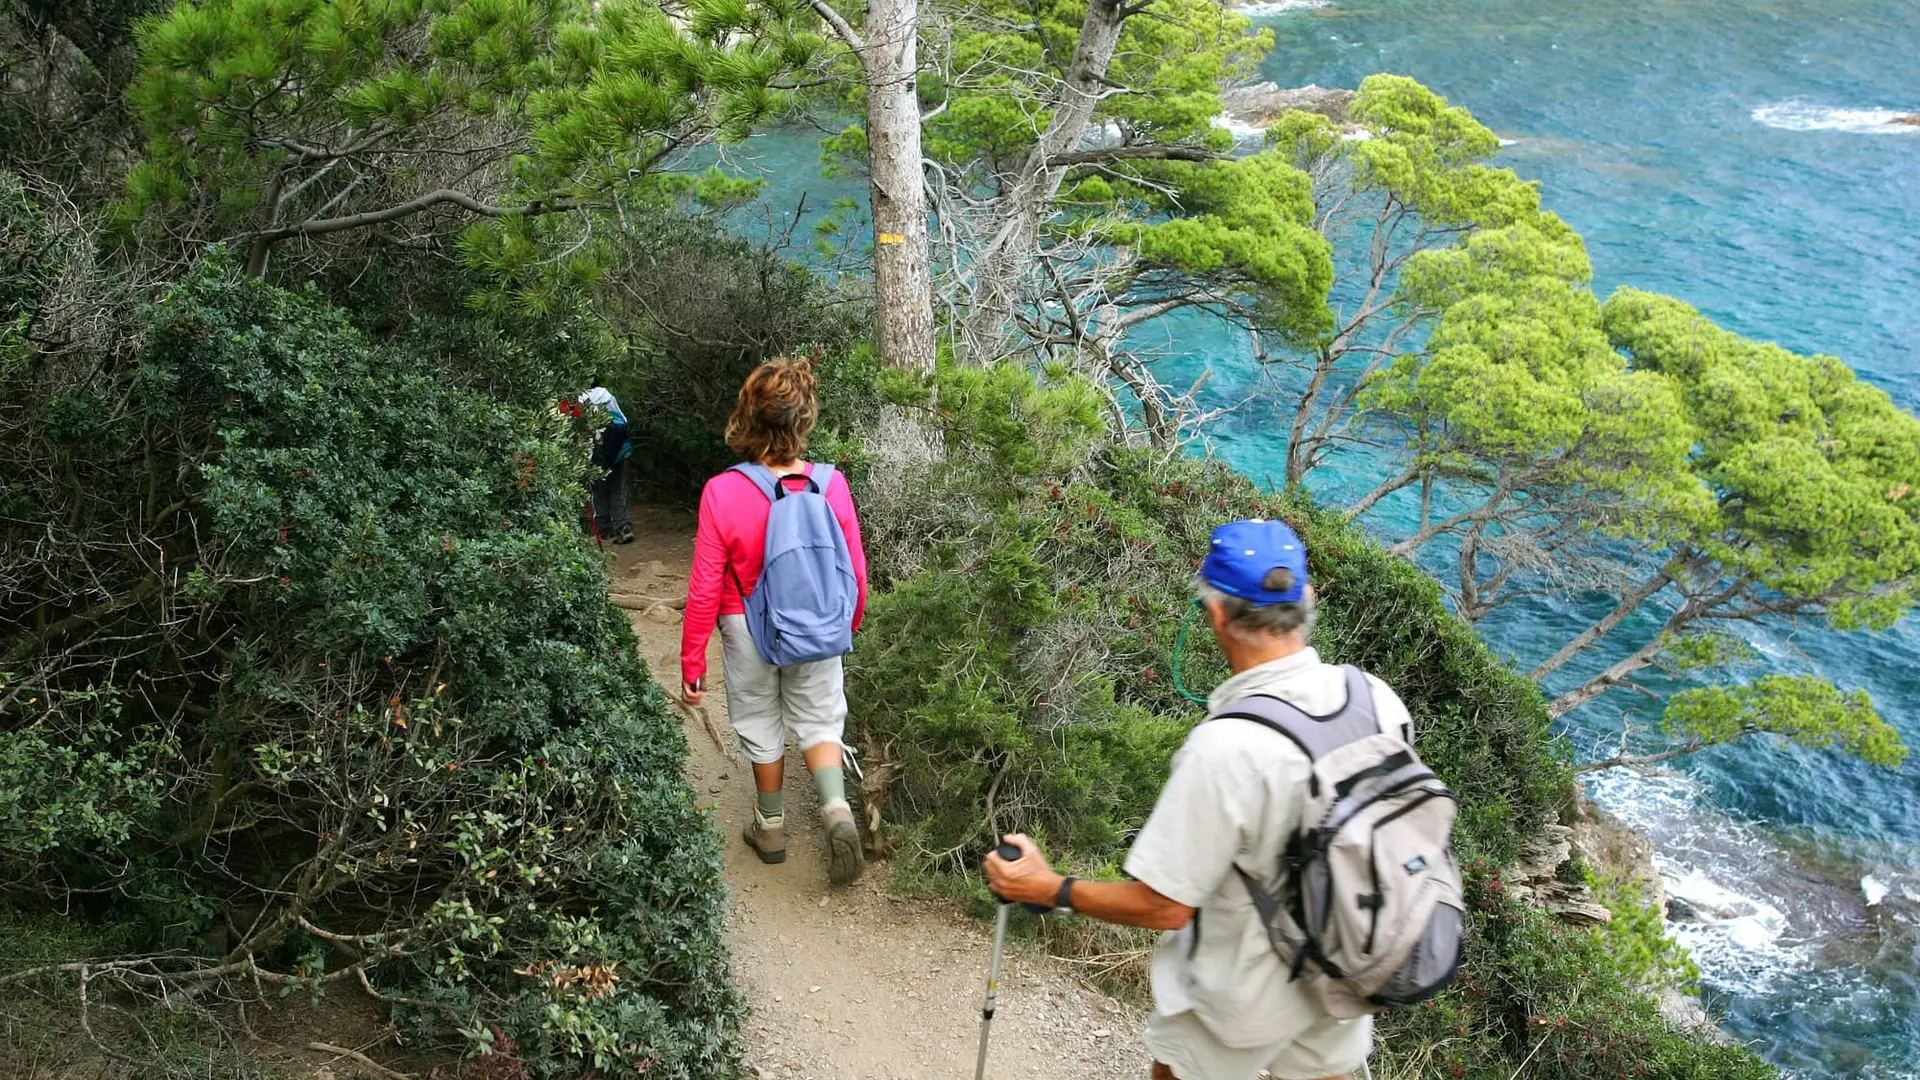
(1026, 880)
(693, 693)
(1029, 880)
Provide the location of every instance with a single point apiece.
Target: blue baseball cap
(1245, 552)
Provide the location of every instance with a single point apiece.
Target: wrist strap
(1063, 900)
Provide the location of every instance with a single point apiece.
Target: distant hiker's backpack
(611, 444)
(1370, 908)
(801, 609)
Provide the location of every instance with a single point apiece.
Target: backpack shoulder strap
(761, 476)
(1317, 736)
(822, 476)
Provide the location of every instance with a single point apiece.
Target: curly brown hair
(777, 409)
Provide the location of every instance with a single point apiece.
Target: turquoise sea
(1737, 154)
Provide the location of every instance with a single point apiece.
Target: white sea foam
(1262, 9)
(1745, 940)
(1242, 131)
(1797, 115)
(1873, 889)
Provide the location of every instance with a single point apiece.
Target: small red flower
(286, 581)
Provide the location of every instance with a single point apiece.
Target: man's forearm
(1129, 903)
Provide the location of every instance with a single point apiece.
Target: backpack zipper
(1379, 901)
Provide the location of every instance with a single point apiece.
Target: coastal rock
(1912, 120)
(1534, 879)
(1262, 103)
(1573, 904)
(1606, 842)
(1685, 1013)
(1680, 910)
(1544, 853)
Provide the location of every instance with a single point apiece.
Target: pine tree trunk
(1004, 267)
(1627, 605)
(903, 284)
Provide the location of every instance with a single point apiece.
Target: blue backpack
(801, 609)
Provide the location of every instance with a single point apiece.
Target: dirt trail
(854, 984)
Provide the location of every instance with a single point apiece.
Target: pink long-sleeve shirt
(728, 553)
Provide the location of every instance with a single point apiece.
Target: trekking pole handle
(1010, 853)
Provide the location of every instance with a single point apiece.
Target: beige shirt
(1233, 798)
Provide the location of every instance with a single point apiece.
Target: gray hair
(1246, 619)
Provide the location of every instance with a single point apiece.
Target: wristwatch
(1063, 900)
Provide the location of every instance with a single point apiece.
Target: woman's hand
(693, 693)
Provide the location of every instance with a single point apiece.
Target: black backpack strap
(1303, 949)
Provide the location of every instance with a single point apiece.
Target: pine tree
(270, 122)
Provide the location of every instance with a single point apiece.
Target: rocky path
(855, 984)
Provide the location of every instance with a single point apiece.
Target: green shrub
(1637, 937)
(1018, 662)
(309, 676)
(1015, 669)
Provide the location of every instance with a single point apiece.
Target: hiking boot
(624, 536)
(843, 844)
(768, 839)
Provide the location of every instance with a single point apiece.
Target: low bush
(310, 683)
(1015, 675)
(1018, 662)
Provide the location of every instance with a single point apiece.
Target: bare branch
(840, 26)
(322, 226)
(1629, 760)
(1134, 153)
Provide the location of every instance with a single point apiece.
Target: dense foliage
(310, 682)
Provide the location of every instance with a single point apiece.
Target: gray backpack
(801, 609)
(1370, 898)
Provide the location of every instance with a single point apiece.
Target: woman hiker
(769, 427)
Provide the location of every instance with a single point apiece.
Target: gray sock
(832, 782)
(772, 804)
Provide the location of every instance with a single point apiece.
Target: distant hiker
(611, 448)
(1216, 849)
(778, 560)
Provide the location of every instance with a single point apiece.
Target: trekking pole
(1009, 853)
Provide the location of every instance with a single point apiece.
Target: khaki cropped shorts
(1328, 1048)
(764, 702)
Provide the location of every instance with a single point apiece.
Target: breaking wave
(1806, 116)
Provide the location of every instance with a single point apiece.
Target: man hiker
(1225, 1007)
(610, 451)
